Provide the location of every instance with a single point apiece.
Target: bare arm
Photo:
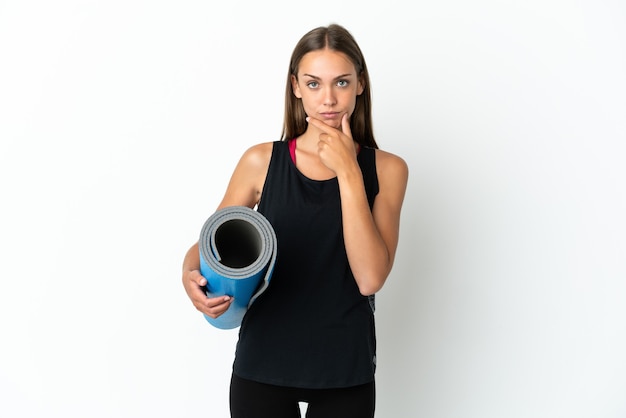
(244, 189)
(371, 237)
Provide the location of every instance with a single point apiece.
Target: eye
(343, 83)
(312, 84)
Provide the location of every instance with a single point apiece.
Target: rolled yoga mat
(237, 256)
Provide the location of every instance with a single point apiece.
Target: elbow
(371, 280)
(370, 287)
(368, 291)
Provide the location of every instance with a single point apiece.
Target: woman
(334, 200)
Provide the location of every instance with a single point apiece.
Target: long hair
(336, 38)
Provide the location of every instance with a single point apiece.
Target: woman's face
(328, 84)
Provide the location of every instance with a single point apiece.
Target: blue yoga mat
(237, 255)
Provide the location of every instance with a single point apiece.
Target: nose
(329, 96)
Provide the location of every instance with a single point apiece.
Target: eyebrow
(318, 78)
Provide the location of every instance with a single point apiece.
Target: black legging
(249, 399)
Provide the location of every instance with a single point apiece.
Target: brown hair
(336, 38)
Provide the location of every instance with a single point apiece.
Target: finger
(322, 126)
(196, 277)
(213, 305)
(345, 125)
(219, 300)
(325, 138)
(200, 300)
(222, 304)
(194, 290)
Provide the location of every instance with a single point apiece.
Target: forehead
(326, 63)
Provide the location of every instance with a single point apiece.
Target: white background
(121, 122)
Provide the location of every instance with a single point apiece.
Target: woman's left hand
(336, 148)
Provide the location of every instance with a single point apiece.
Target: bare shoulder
(393, 175)
(253, 165)
(257, 157)
(391, 167)
(246, 182)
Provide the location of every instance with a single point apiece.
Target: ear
(295, 87)
(361, 86)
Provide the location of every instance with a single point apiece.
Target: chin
(333, 123)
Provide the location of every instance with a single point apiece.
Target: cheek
(352, 104)
(308, 107)
(309, 100)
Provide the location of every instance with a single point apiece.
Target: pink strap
(292, 149)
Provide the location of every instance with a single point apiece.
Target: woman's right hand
(244, 189)
(194, 284)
